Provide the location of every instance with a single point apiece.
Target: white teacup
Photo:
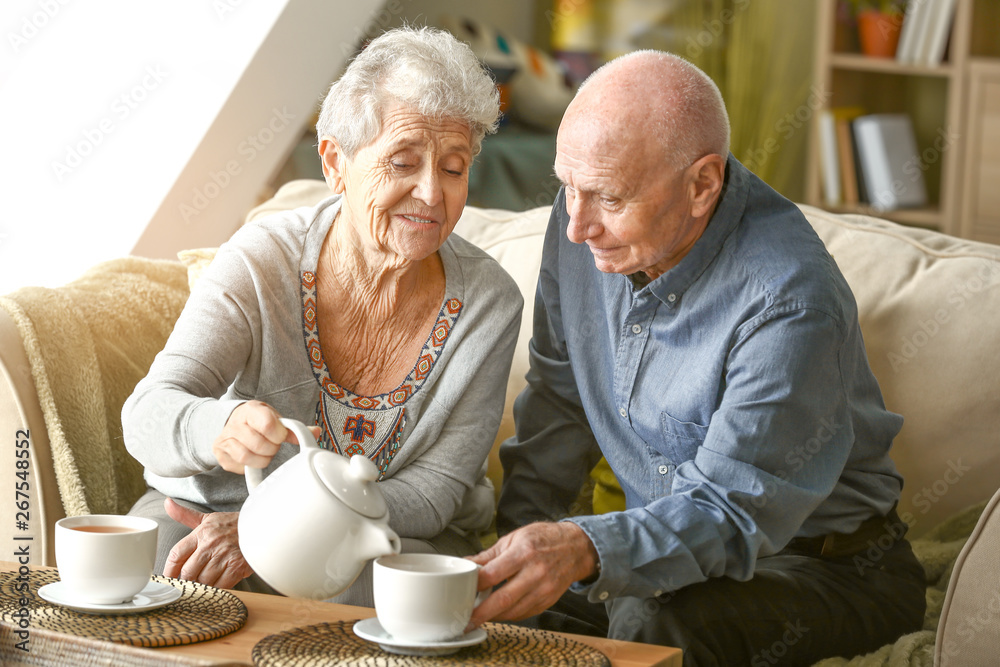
(425, 597)
(105, 558)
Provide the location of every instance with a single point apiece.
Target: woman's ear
(333, 160)
(707, 176)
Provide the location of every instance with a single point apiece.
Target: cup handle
(254, 476)
(481, 597)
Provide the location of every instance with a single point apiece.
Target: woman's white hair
(426, 69)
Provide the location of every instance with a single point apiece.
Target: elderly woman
(362, 315)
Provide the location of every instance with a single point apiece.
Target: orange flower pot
(879, 33)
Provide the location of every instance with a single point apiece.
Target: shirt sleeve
(443, 485)
(175, 413)
(547, 462)
(747, 490)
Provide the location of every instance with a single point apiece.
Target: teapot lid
(353, 483)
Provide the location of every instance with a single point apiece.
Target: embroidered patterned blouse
(371, 426)
(248, 331)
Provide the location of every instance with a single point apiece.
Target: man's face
(629, 207)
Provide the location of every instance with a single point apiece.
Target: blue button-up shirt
(731, 396)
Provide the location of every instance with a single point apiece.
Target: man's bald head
(651, 100)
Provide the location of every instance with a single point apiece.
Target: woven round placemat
(200, 614)
(330, 644)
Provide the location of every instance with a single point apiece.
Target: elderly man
(691, 328)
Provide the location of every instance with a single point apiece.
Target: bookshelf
(933, 96)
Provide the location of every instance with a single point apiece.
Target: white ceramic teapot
(310, 527)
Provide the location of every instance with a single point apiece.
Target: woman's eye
(400, 165)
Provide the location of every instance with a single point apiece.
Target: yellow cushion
(608, 495)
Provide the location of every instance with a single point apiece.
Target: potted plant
(879, 24)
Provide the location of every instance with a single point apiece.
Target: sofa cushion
(929, 309)
(968, 632)
(515, 241)
(929, 306)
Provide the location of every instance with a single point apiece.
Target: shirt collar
(670, 287)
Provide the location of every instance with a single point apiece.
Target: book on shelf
(913, 18)
(843, 116)
(925, 31)
(889, 162)
(862, 188)
(845, 156)
(829, 164)
(943, 15)
(837, 156)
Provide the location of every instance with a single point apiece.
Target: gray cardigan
(243, 335)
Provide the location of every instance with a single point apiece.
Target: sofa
(930, 314)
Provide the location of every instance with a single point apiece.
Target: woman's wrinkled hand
(251, 437)
(210, 554)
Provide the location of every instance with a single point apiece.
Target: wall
(515, 18)
(259, 125)
(114, 113)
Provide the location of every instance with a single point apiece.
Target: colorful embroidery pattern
(371, 426)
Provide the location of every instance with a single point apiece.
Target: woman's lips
(418, 219)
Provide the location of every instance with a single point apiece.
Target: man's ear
(333, 160)
(706, 178)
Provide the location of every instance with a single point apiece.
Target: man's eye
(400, 165)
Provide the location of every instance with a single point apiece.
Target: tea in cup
(424, 598)
(105, 558)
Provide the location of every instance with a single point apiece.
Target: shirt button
(603, 596)
(671, 297)
(636, 329)
(623, 412)
(663, 469)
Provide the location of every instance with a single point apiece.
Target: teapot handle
(255, 476)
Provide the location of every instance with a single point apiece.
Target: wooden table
(270, 614)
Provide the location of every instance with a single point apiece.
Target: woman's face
(405, 191)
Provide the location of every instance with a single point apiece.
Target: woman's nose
(428, 187)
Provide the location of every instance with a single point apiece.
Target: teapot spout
(378, 540)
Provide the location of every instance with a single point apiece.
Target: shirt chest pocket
(680, 441)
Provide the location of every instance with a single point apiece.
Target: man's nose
(428, 187)
(582, 225)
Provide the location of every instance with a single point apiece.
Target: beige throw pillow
(196, 261)
(969, 630)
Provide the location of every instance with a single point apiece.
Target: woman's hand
(210, 554)
(251, 437)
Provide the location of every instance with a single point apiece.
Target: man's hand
(538, 562)
(211, 553)
(251, 437)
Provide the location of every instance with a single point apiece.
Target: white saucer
(153, 596)
(373, 631)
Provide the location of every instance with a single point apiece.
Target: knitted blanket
(937, 551)
(89, 342)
